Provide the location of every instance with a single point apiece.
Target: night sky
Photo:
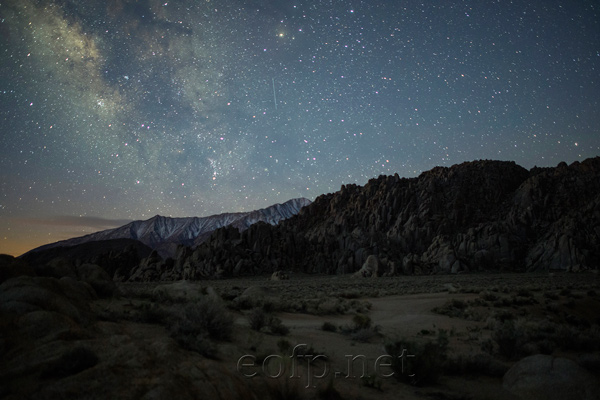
(112, 111)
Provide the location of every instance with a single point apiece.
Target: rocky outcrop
(117, 257)
(54, 345)
(369, 269)
(547, 377)
(481, 215)
(475, 216)
(280, 276)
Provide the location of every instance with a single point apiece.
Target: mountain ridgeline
(475, 216)
(164, 234)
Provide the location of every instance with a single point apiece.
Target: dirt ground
(341, 361)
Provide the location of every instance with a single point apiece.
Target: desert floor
(556, 314)
(185, 339)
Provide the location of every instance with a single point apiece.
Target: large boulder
(11, 267)
(25, 294)
(280, 276)
(56, 268)
(370, 268)
(99, 279)
(547, 377)
(177, 291)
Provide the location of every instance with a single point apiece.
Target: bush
(452, 308)
(277, 327)
(283, 345)
(329, 327)
(329, 392)
(151, 313)
(420, 363)
(476, 364)
(199, 321)
(257, 318)
(551, 295)
(363, 335)
(508, 338)
(488, 296)
(371, 381)
(361, 321)
(524, 293)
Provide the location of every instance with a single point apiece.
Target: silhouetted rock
(369, 269)
(280, 276)
(475, 216)
(99, 279)
(547, 377)
(56, 268)
(65, 296)
(11, 267)
(481, 215)
(116, 257)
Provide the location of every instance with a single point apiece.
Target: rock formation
(475, 216)
(481, 215)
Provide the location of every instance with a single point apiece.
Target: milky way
(119, 110)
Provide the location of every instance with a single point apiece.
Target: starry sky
(117, 110)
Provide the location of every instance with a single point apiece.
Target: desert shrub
(270, 305)
(420, 363)
(475, 364)
(329, 327)
(523, 301)
(243, 303)
(329, 392)
(363, 335)
(257, 318)
(551, 295)
(350, 294)
(570, 304)
(504, 315)
(487, 346)
(199, 321)
(502, 302)
(452, 308)
(524, 293)
(571, 338)
(199, 343)
(330, 306)
(151, 313)
(565, 292)
(361, 321)
(359, 306)
(283, 345)
(371, 381)
(577, 321)
(591, 362)
(72, 362)
(277, 327)
(285, 389)
(508, 338)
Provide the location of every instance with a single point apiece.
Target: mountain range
(483, 215)
(164, 234)
(476, 216)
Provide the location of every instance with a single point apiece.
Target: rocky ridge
(481, 215)
(164, 234)
(476, 216)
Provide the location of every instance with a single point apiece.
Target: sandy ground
(401, 307)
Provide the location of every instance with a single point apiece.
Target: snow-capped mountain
(165, 233)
